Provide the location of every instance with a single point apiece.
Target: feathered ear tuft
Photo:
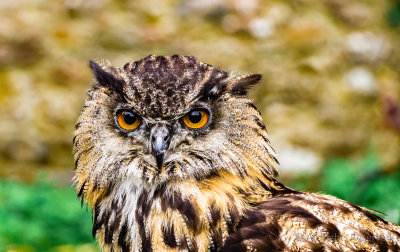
(105, 78)
(243, 84)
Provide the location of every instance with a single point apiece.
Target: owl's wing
(312, 222)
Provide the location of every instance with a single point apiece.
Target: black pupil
(129, 117)
(195, 116)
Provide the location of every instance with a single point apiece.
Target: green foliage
(394, 14)
(40, 216)
(362, 183)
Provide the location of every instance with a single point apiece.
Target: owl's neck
(188, 214)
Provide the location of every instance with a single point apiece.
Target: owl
(172, 155)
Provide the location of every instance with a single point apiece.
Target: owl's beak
(159, 143)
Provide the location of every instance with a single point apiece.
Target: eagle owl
(172, 155)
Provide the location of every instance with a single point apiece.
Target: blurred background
(330, 94)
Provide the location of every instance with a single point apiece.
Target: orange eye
(128, 120)
(196, 119)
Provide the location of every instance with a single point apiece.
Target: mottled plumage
(165, 186)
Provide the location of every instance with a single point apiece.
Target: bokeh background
(330, 94)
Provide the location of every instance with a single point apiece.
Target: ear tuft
(241, 86)
(105, 78)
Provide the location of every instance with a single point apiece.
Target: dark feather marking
(333, 231)
(141, 203)
(382, 244)
(235, 218)
(108, 235)
(121, 238)
(96, 221)
(214, 87)
(97, 112)
(96, 185)
(293, 198)
(178, 65)
(117, 165)
(316, 247)
(134, 66)
(394, 247)
(241, 87)
(112, 227)
(266, 174)
(374, 217)
(283, 189)
(262, 236)
(160, 190)
(259, 122)
(192, 247)
(164, 202)
(105, 220)
(307, 201)
(212, 174)
(254, 228)
(188, 245)
(216, 239)
(81, 189)
(279, 190)
(243, 192)
(251, 105)
(184, 206)
(274, 158)
(201, 158)
(273, 191)
(169, 235)
(281, 206)
(369, 236)
(78, 125)
(342, 208)
(106, 79)
(369, 215)
(90, 148)
(326, 206)
(356, 207)
(117, 222)
(139, 215)
(260, 133)
(183, 244)
(191, 61)
(395, 232)
(108, 189)
(271, 231)
(126, 66)
(234, 244)
(215, 215)
(253, 218)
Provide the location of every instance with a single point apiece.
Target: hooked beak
(159, 143)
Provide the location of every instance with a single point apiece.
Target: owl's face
(166, 118)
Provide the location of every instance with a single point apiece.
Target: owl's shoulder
(312, 222)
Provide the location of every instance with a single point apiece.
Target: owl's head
(161, 119)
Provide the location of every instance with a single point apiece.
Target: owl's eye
(128, 120)
(196, 119)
